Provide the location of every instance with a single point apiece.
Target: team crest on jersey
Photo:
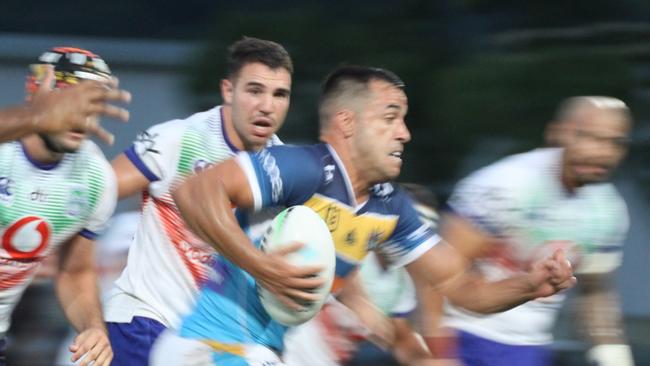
(77, 201)
(6, 190)
(27, 237)
(332, 216)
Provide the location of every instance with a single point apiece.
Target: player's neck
(566, 178)
(35, 147)
(360, 186)
(231, 133)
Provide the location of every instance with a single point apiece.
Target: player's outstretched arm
(354, 296)
(205, 201)
(75, 107)
(452, 272)
(76, 287)
(444, 268)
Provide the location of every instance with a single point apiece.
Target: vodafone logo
(27, 237)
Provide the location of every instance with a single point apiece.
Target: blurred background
(483, 77)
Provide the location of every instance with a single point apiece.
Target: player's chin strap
(610, 355)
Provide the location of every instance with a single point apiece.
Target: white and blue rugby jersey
(229, 311)
(44, 205)
(167, 263)
(521, 200)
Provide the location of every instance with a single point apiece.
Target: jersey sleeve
(155, 151)
(412, 236)
(281, 175)
(103, 211)
(607, 255)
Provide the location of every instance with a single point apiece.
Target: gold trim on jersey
(354, 235)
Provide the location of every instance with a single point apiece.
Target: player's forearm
(79, 297)
(354, 296)
(408, 349)
(206, 209)
(599, 311)
(480, 296)
(18, 121)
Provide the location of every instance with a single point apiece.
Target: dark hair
(351, 81)
(248, 50)
(359, 74)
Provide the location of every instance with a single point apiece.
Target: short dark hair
(248, 50)
(352, 80)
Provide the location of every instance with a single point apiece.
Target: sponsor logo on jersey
(38, 195)
(329, 172)
(27, 237)
(6, 190)
(382, 190)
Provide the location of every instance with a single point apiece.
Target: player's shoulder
(89, 150)
(8, 146)
(303, 156)
(8, 152)
(606, 193)
(517, 169)
(92, 159)
(395, 199)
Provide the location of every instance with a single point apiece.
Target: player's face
(381, 132)
(67, 141)
(64, 142)
(259, 99)
(595, 145)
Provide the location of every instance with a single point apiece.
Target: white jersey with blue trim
(229, 310)
(167, 263)
(522, 201)
(44, 205)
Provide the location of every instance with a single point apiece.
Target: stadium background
(483, 77)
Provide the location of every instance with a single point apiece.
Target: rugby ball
(300, 224)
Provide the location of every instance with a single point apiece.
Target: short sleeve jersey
(44, 205)
(521, 200)
(167, 263)
(229, 311)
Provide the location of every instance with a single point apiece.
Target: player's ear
(344, 120)
(227, 89)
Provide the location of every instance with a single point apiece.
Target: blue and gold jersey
(313, 176)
